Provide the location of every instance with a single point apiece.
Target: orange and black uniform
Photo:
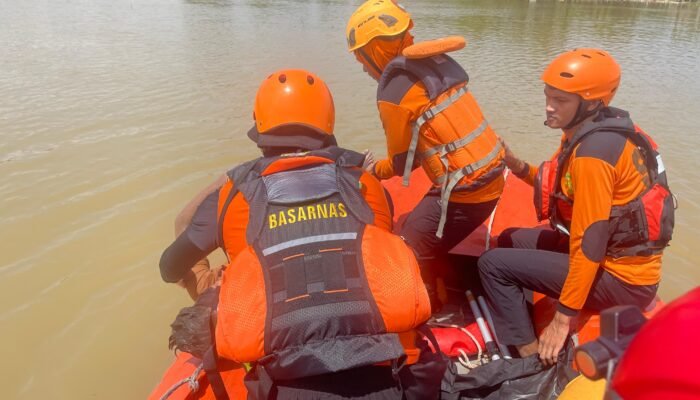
(317, 285)
(203, 236)
(408, 91)
(605, 170)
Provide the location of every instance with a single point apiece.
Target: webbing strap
(418, 124)
(415, 130)
(213, 375)
(457, 176)
(445, 149)
(461, 142)
(442, 106)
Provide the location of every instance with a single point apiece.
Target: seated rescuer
(316, 284)
(430, 119)
(605, 193)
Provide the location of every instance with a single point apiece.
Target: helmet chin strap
(582, 114)
(368, 60)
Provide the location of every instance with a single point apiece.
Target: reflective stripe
(420, 121)
(457, 176)
(660, 163)
(561, 228)
(307, 240)
(315, 287)
(461, 142)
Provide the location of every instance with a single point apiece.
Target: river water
(113, 113)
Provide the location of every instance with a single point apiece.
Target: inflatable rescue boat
(455, 328)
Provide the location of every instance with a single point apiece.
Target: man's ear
(592, 105)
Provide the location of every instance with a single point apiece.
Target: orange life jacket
(643, 226)
(457, 147)
(316, 288)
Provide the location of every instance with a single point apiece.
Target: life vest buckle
(429, 114)
(450, 147)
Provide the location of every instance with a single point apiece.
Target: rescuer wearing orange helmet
(315, 276)
(432, 120)
(605, 194)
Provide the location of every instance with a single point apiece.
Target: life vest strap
(453, 178)
(418, 124)
(408, 167)
(212, 370)
(448, 148)
(441, 106)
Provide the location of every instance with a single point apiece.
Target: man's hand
(512, 162)
(553, 337)
(368, 164)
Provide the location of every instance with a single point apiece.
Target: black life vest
(318, 289)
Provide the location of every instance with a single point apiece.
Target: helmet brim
(292, 135)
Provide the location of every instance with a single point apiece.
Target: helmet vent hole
(566, 75)
(585, 55)
(282, 78)
(351, 38)
(310, 79)
(602, 54)
(388, 20)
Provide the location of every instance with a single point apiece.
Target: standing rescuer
(605, 193)
(430, 119)
(315, 295)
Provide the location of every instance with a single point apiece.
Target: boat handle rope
(191, 380)
(464, 358)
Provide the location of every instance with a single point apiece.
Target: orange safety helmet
(593, 74)
(293, 108)
(376, 18)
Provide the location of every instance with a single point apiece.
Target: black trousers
(422, 224)
(538, 260)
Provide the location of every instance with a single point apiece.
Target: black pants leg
(422, 224)
(506, 272)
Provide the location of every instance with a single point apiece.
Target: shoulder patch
(606, 146)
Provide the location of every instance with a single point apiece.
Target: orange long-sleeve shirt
(604, 170)
(397, 118)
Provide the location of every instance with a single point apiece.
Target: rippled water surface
(114, 113)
